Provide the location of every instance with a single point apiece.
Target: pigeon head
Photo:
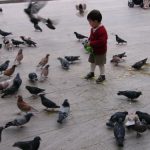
(47, 55)
(75, 33)
(7, 61)
(125, 112)
(137, 112)
(140, 92)
(59, 58)
(19, 98)
(116, 35)
(20, 51)
(14, 66)
(33, 76)
(15, 144)
(22, 37)
(66, 103)
(18, 75)
(80, 6)
(28, 87)
(37, 138)
(29, 115)
(47, 66)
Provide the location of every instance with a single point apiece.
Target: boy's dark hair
(95, 15)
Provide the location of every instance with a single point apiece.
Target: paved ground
(91, 104)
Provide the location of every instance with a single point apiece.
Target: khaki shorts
(97, 59)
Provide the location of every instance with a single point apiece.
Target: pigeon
(34, 8)
(20, 121)
(116, 60)
(28, 145)
(81, 8)
(64, 63)
(4, 84)
(71, 59)
(17, 81)
(47, 102)
(44, 61)
(45, 72)
(16, 42)
(133, 122)
(37, 27)
(115, 118)
(139, 64)
(130, 94)
(64, 111)
(139, 127)
(28, 41)
(4, 34)
(144, 117)
(4, 66)
(19, 57)
(1, 10)
(33, 77)
(10, 71)
(121, 55)
(9, 91)
(80, 36)
(1, 129)
(8, 45)
(119, 132)
(119, 40)
(23, 106)
(34, 90)
(48, 22)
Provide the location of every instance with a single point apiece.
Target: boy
(98, 42)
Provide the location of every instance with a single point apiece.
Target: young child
(98, 42)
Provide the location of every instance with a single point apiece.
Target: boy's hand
(88, 44)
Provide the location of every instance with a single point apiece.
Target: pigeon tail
(9, 124)
(120, 142)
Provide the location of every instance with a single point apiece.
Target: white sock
(93, 66)
(102, 69)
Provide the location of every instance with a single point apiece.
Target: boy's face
(94, 24)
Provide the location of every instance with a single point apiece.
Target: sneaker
(100, 79)
(89, 75)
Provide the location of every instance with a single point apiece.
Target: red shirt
(98, 40)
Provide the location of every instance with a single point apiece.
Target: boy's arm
(101, 41)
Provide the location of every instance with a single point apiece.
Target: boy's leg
(93, 66)
(91, 74)
(101, 78)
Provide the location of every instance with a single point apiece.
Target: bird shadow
(50, 111)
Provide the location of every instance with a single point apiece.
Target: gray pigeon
(33, 76)
(4, 66)
(64, 111)
(119, 132)
(17, 81)
(71, 59)
(64, 63)
(20, 121)
(115, 118)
